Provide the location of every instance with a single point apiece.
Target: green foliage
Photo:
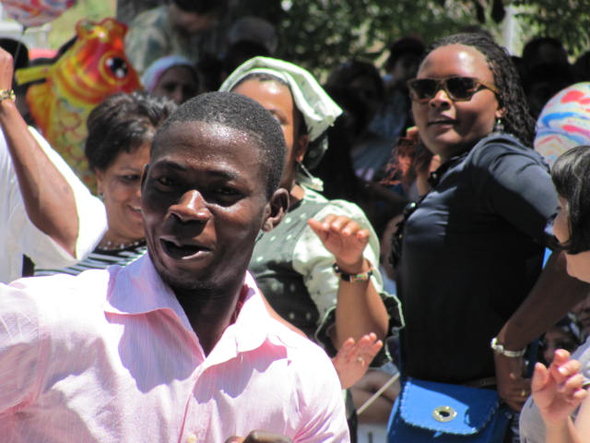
(326, 32)
(566, 20)
(320, 34)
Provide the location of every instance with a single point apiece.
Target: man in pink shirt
(177, 346)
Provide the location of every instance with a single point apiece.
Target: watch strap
(362, 276)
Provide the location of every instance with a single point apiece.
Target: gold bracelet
(7, 94)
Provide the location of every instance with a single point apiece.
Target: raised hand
(557, 390)
(6, 69)
(344, 238)
(353, 358)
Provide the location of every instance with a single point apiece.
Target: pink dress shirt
(110, 356)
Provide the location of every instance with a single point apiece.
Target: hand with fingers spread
(344, 238)
(557, 390)
(353, 358)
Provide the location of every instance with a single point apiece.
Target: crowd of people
(268, 258)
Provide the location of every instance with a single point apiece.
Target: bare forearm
(359, 311)
(48, 198)
(554, 294)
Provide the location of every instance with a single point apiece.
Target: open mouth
(183, 252)
(135, 211)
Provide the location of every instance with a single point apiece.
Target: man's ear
(275, 209)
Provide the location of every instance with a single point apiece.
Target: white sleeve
(92, 220)
(312, 260)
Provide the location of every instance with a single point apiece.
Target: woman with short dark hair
(120, 133)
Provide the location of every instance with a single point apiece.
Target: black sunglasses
(458, 89)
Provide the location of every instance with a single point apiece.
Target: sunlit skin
(178, 83)
(119, 185)
(578, 265)
(450, 127)
(277, 98)
(204, 202)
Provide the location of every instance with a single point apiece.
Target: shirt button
(192, 438)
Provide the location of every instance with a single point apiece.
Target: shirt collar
(138, 289)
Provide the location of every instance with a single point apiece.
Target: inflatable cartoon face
(93, 68)
(564, 122)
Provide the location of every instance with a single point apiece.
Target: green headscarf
(319, 111)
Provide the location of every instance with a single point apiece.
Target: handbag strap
(486, 382)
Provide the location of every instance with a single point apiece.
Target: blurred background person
(190, 28)
(394, 116)
(120, 133)
(173, 77)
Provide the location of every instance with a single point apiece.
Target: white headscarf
(318, 109)
(154, 72)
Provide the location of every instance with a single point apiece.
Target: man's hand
(353, 358)
(260, 437)
(344, 238)
(558, 391)
(513, 388)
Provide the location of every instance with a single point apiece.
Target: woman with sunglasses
(472, 249)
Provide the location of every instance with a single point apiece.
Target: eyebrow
(167, 164)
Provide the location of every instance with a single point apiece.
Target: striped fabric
(100, 259)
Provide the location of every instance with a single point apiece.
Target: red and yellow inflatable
(93, 68)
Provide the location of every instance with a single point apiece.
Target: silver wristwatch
(498, 348)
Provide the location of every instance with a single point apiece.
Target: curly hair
(122, 123)
(517, 119)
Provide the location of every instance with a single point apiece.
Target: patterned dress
(294, 270)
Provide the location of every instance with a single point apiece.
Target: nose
(441, 98)
(191, 207)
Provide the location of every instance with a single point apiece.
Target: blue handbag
(428, 411)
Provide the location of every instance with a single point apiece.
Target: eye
(169, 87)
(224, 195)
(130, 178)
(118, 67)
(279, 118)
(164, 182)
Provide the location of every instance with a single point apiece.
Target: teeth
(181, 251)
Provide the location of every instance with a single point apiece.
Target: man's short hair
(243, 114)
